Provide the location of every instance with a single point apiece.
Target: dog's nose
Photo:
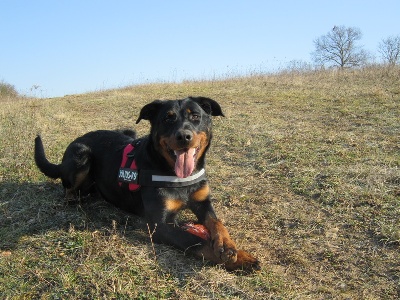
(184, 136)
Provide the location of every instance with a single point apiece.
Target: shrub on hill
(7, 90)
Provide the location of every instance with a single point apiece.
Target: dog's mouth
(185, 161)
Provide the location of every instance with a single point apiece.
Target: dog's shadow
(28, 209)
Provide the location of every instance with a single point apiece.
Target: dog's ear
(149, 111)
(210, 106)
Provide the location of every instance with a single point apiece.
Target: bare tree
(339, 48)
(389, 49)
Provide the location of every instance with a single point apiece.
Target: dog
(155, 176)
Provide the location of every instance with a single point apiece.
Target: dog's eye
(194, 117)
(170, 117)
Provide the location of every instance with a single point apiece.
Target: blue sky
(69, 47)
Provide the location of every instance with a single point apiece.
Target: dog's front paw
(245, 262)
(224, 249)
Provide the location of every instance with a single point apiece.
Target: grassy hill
(304, 170)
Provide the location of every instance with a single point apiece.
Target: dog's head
(181, 130)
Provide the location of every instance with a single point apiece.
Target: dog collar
(129, 175)
(175, 179)
(154, 178)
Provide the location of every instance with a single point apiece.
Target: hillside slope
(304, 170)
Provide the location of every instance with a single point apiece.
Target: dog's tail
(47, 168)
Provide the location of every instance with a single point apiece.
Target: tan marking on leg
(224, 247)
(80, 178)
(245, 262)
(70, 194)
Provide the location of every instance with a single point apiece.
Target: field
(304, 171)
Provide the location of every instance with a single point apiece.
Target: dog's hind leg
(75, 168)
(81, 186)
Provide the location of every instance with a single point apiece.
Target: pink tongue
(184, 164)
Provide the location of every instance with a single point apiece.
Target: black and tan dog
(155, 176)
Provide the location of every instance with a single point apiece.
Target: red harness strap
(128, 149)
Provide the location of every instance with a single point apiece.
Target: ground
(304, 172)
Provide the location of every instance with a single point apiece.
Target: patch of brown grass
(304, 171)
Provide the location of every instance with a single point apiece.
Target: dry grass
(304, 171)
